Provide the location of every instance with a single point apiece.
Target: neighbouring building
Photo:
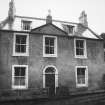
(48, 54)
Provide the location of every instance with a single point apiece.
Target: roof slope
(14, 22)
(40, 24)
(86, 32)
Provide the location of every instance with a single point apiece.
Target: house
(45, 53)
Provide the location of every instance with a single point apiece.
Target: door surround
(56, 76)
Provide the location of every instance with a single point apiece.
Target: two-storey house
(45, 53)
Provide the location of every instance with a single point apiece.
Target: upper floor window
(49, 46)
(21, 43)
(80, 48)
(68, 28)
(19, 76)
(26, 25)
(81, 76)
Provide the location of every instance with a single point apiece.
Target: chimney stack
(49, 17)
(11, 14)
(83, 19)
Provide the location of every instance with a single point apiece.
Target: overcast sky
(66, 10)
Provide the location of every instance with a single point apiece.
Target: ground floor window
(19, 76)
(81, 76)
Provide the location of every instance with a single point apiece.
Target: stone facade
(65, 62)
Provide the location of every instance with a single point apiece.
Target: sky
(65, 10)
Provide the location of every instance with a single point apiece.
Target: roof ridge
(54, 20)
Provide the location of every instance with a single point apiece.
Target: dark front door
(50, 83)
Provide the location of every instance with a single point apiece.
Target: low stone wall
(87, 98)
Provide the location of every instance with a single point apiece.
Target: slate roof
(39, 23)
(14, 22)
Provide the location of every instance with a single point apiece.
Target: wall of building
(6, 39)
(65, 62)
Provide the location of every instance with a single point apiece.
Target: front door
(50, 80)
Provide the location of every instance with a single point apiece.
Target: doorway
(50, 79)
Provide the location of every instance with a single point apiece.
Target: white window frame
(27, 45)
(22, 25)
(86, 76)
(55, 46)
(85, 49)
(26, 80)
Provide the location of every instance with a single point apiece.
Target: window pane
(17, 71)
(50, 70)
(23, 48)
(79, 51)
(22, 81)
(80, 71)
(51, 41)
(47, 50)
(18, 48)
(51, 50)
(47, 41)
(22, 71)
(17, 81)
(18, 39)
(81, 80)
(21, 39)
(79, 43)
(83, 71)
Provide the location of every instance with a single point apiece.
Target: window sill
(16, 54)
(19, 87)
(26, 30)
(81, 57)
(82, 85)
(48, 55)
